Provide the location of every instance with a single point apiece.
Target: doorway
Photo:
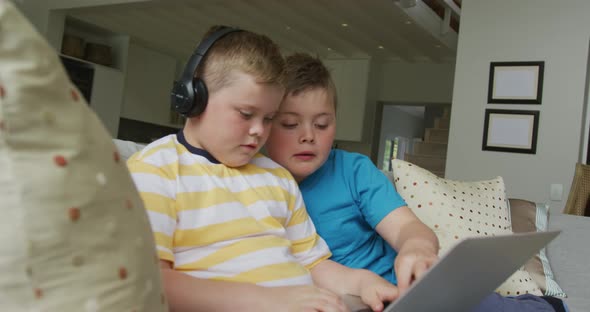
(414, 132)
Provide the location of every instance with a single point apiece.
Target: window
(390, 152)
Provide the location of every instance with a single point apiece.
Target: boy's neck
(182, 139)
(189, 130)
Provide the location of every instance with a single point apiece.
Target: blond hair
(304, 72)
(244, 51)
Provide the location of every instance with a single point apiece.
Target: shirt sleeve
(307, 246)
(375, 194)
(158, 195)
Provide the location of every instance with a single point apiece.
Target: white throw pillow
(74, 235)
(127, 148)
(458, 209)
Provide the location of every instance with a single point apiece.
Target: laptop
(465, 274)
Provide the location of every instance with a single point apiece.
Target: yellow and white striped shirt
(246, 224)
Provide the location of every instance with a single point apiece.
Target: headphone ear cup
(189, 95)
(181, 98)
(201, 97)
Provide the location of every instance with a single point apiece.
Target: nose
(307, 136)
(257, 128)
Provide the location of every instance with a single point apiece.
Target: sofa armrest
(569, 256)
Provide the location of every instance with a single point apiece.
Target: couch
(568, 254)
(59, 166)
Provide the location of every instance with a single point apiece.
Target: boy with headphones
(231, 228)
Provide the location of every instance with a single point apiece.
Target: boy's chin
(238, 162)
(235, 164)
(302, 173)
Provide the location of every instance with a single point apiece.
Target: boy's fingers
(404, 275)
(389, 294)
(374, 301)
(420, 269)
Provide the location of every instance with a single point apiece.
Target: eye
(245, 114)
(287, 125)
(321, 126)
(268, 119)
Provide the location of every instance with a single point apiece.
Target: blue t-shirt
(346, 198)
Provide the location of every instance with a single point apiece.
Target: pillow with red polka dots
(459, 209)
(74, 235)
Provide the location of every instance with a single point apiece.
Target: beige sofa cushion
(74, 235)
(459, 209)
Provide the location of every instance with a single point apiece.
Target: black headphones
(189, 94)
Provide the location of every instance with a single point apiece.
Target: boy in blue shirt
(353, 205)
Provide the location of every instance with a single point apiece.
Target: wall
(416, 82)
(107, 95)
(396, 122)
(364, 146)
(506, 30)
(372, 98)
(147, 85)
(148, 75)
(36, 13)
(48, 22)
(351, 78)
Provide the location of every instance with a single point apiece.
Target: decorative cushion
(456, 209)
(74, 235)
(527, 216)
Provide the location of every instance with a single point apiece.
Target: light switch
(556, 192)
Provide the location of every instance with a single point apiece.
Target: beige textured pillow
(74, 235)
(456, 209)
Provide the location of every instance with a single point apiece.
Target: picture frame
(516, 82)
(512, 131)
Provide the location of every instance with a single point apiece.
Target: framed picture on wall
(516, 82)
(512, 131)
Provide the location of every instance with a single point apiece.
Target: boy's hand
(412, 262)
(303, 299)
(374, 291)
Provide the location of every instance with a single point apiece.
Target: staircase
(431, 154)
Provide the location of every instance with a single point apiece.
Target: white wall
(107, 96)
(371, 100)
(416, 82)
(351, 78)
(506, 30)
(147, 85)
(48, 22)
(36, 13)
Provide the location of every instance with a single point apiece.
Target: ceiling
(405, 30)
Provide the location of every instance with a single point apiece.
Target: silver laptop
(466, 274)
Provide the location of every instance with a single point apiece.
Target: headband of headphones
(189, 94)
(201, 50)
